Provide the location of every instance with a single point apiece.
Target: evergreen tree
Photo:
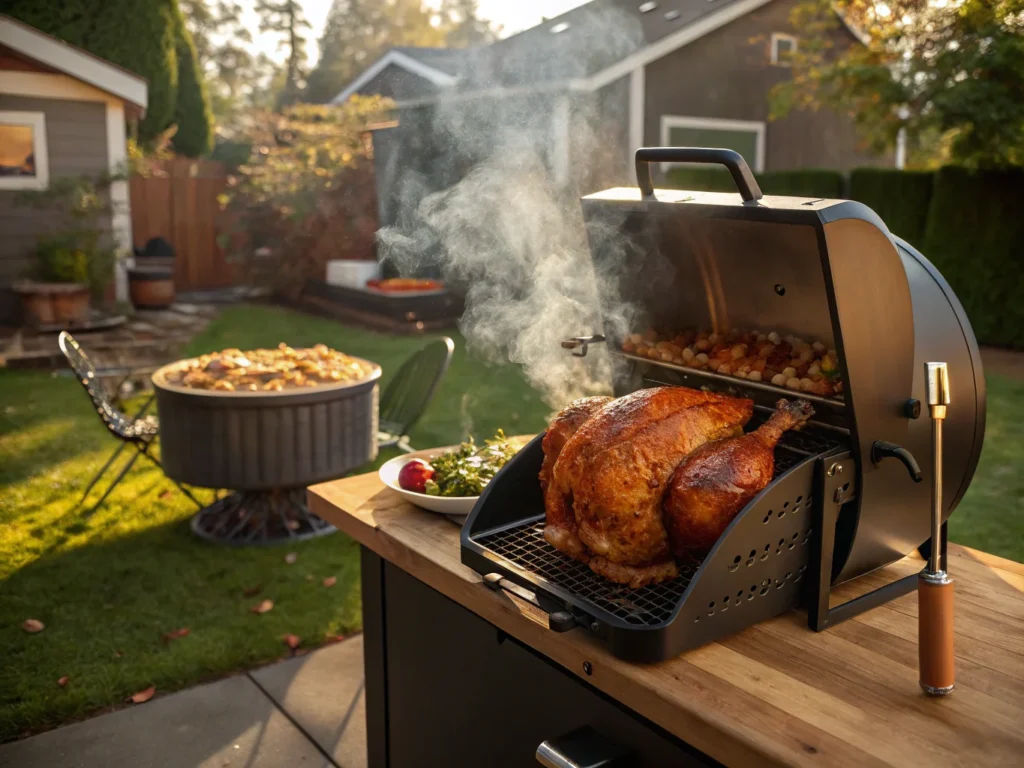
(192, 115)
(285, 17)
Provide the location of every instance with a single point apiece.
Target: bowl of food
(449, 480)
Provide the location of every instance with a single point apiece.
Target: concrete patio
(305, 711)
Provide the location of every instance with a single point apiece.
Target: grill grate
(524, 546)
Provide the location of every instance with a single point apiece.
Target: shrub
(975, 237)
(901, 198)
(192, 113)
(811, 182)
(802, 183)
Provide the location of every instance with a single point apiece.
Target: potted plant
(75, 262)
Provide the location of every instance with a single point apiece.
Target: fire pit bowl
(264, 445)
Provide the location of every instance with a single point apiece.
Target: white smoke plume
(514, 241)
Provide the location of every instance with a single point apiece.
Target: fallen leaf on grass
(32, 626)
(166, 494)
(292, 641)
(309, 577)
(335, 638)
(142, 696)
(291, 557)
(262, 606)
(118, 654)
(63, 681)
(250, 591)
(330, 581)
(175, 634)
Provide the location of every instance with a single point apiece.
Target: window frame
(778, 37)
(40, 153)
(758, 127)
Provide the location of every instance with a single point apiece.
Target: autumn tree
(285, 18)
(949, 71)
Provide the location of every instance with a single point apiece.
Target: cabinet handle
(582, 748)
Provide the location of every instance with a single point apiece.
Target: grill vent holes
(802, 538)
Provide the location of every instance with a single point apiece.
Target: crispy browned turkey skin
(711, 485)
(560, 530)
(604, 494)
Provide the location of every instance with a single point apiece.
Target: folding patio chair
(139, 431)
(409, 393)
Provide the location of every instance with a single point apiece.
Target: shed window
(743, 136)
(23, 158)
(783, 48)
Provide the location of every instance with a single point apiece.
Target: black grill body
(826, 270)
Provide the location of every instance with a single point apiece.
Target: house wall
(727, 76)
(76, 138)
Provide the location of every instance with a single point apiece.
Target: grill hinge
(582, 343)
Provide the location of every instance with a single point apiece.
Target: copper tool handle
(935, 632)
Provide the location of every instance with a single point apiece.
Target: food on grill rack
(604, 506)
(465, 471)
(788, 361)
(712, 484)
(607, 468)
(269, 370)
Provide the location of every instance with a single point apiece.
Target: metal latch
(582, 343)
(559, 619)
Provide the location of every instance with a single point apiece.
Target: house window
(743, 136)
(783, 48)
(23, 158)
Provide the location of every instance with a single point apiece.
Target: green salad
(465, 472)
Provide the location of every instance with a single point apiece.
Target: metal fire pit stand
(259, 518)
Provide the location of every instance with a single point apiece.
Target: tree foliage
(285, 18)
(947, 70)
(309, 173)
(192, 115)
(358, 32)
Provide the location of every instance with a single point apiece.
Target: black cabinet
(444, 687)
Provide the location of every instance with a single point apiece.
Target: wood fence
(177, 200)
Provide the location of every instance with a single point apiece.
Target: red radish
(414, 475)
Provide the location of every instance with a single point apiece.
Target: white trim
(121, 207)
(677, 121)
(398, 59)
(778, 37)
(37, 122)
(44, 86)
(637, 101)
(673, 42)
(83, 66)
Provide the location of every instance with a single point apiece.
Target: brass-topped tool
(934, 587)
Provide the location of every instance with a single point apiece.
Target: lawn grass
(110, 585)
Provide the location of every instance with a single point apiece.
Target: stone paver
(323, 693)
(226, 724)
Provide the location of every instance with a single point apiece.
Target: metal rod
(934, 557)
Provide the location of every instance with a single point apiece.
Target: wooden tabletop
(776, 693)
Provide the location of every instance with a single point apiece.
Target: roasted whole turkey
(632, 484)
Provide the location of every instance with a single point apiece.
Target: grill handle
(582, 748)
(738, 168)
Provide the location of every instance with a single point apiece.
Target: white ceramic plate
(454, 506)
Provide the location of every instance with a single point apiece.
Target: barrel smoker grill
(847, 496)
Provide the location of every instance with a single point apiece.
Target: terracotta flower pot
(49, 303)
(151, 287)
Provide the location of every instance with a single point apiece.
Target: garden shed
(63, 113)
